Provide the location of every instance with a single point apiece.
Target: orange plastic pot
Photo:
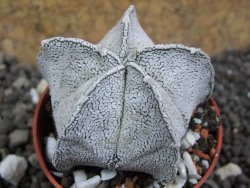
(42, 128)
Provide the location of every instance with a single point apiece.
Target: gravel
(18, 137)
(232, 93)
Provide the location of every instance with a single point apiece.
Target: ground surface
(232, 92)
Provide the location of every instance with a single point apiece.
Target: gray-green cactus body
(124, 103)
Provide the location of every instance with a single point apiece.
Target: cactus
(124, 103)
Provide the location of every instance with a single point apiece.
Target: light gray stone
(50, 147)
(13, 168)
(21, 82)
(18, 137)
(107, 174)
(90, 183)
(41, 86)
(79, 176)
(34, 95)
(229, 170)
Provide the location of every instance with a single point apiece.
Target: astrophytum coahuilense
(124, 103)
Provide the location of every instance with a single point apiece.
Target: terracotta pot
(41, 130)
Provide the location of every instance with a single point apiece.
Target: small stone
(248, 94)
(182, 170)
(193, 181)
(243, 179)
(196, 135)
(41, 86)
(21, 82)
(18, 137)
(195, 158)
(156, 184)
(57, 174)
(229, 170)
(197, 121)
(205, 163)
(90, 183)
(3, 140)
(204, 133)
(5, 126)
(80, 176)
(20, 107)
(34, 96)
(8, 92)
(192, 171)
(205, 124)
(212, 152)
(13, 168)
(200, 110)
(188, 140)
(107, 174)
(33, 160)
(226, 184)
(50, 147)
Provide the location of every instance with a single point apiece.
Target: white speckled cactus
(124, 103)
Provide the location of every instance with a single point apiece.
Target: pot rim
(55, 183)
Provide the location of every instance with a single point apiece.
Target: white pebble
(205, 163)
(205, 124)
(57, 174)
(188, 140)
(193, 181)
(192, 171)
(182, 170)
(248, 94)
(13, 168)
(79, 176)
(195, 158)
(50, 147)
(41, 86)
(90, 183)
(34, 95)
(156, 185)
(231, 169)
(200, 110)
(197, 121)
(107, 174)
(196, 135)
(184, 143)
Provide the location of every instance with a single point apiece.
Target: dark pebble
(3, 140)
(226, 184)
(243, 179)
